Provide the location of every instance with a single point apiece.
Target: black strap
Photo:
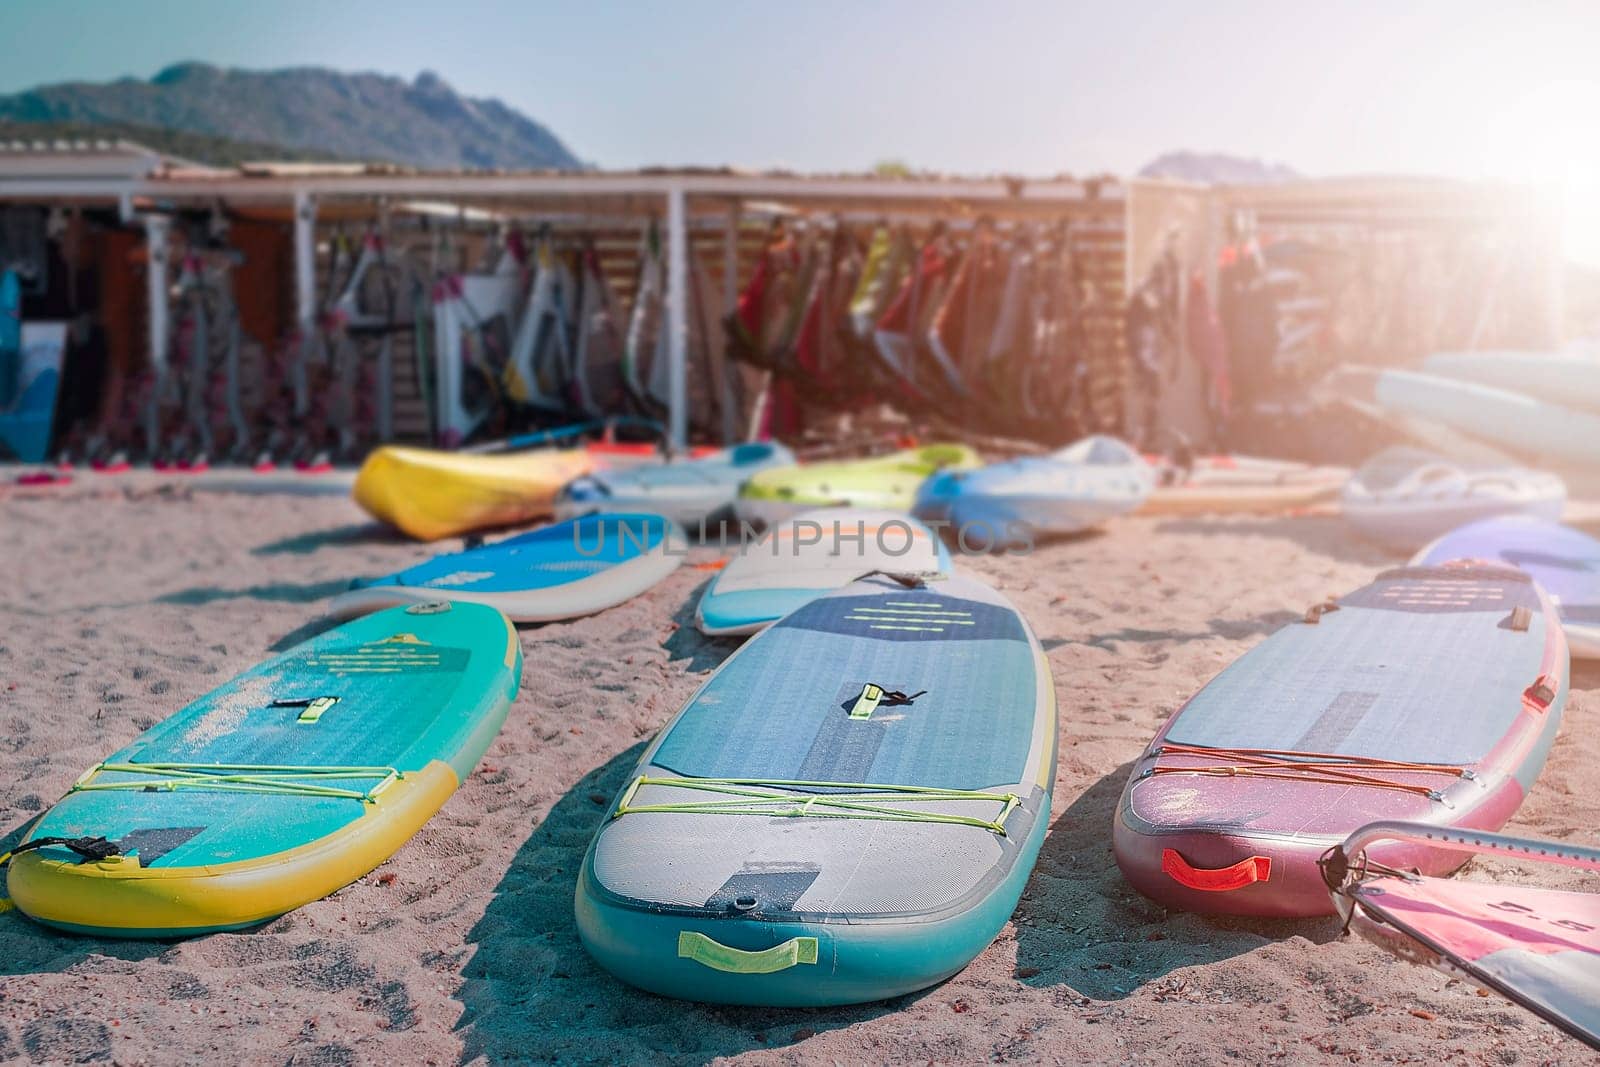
(909, 579)
(90, 849)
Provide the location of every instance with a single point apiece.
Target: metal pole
(677, 316)
(305, 292)
(727, 371)
(156, 231)
(730, 262)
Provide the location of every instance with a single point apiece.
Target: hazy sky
(1464, 88)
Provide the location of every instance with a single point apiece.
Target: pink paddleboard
(1432, 695)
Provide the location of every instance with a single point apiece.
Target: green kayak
(888, 482)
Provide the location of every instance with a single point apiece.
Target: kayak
(1240, 484)
(428, 494)
(1404, 497)
(889, 482)
(689, 491)
(1074, 489)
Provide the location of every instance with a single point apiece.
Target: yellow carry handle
(696, 946)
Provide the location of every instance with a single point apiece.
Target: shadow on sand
(303, 632)
(1233, 629)
(532, 992)
(1327, 535)
(1081, 925)
(686, 642)
(26, 947)
(356, 533)
(279, 591)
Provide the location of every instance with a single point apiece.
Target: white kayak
(1403, 498)
(691, 492)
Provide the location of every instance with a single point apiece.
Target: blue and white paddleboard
(1068, 491)
(800, 559)
(572, 568)
(10, 338)
(1566, 562)
(690, 492)
(28, 422)
(846, 811)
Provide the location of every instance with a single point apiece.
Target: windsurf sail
(1539, 948)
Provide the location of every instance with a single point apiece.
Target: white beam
(677, 317)
(234, 186)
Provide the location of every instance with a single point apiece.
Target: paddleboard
(891, 482)
(27, 425)
(572, 568)
(846, 811)
(1564, 561)
(1517, 421)
(1568, 379)
(1074, 489)
(1240, 485)
(1431, 695)
(690, 492)
(1404, 497)
(429, 494)
(816, 552)
(288, 782)
(10, 338)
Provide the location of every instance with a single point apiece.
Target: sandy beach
(123, 605)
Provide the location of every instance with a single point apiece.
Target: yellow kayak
(429, 494)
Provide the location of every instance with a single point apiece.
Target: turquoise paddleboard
(288, 782)
(846, 811)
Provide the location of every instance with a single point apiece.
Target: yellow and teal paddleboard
(290, 781)
(889, 482)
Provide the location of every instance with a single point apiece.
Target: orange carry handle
(1542, 693)
(1247, 871)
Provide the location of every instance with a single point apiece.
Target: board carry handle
(1248, 871)
(693, 945)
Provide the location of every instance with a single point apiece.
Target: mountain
(326, 113)
(1217, 168)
